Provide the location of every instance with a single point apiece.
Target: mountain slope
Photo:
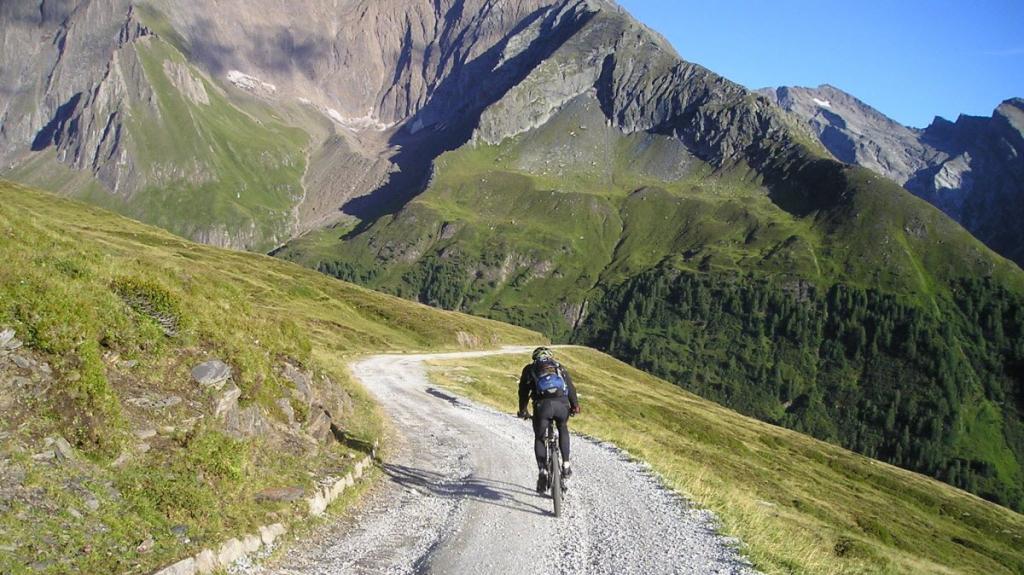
(165, 495)
(972, 168)
(616, 175)
(242, 124)
(107, 439)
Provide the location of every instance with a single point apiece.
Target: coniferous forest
(891, 378)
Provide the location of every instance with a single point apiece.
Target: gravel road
(459, 498)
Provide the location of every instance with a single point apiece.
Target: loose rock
(227, 401)
(48, 455)
(183, 567)
(21, 362)
(211, 373)
(63, 449)
(287, 494)
(6, 337)
(146, 546)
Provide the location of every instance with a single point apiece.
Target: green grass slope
(776, 293)
(798, 504)
(113, 315)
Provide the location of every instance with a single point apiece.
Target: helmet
(542, 353)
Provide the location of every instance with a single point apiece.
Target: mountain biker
(549, 385)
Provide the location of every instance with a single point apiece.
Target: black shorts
(544, 411)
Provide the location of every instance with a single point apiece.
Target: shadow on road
(500, 493)
(444, 396)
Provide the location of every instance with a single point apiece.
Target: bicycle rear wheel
(555, 473)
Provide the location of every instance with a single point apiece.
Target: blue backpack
(548, 379)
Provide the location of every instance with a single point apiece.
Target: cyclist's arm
(525, 388)
(573, 400)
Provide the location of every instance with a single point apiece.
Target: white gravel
(460, 499)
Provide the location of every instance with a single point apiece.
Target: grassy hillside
(800, 505)
(817, 296)
(113, 315)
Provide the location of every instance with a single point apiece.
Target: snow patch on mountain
(251, 83)
(822, 103)
(367, 122)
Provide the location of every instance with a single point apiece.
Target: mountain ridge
(970, 168)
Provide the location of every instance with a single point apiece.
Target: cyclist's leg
(561, 417)
(541, 417)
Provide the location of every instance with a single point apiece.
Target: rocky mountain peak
(970, 168)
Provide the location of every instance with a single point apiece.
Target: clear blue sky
(910, 59)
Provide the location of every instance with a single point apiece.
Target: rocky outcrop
(389, 85)
(972, 169)
(77, 88)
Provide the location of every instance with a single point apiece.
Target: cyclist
(549, 385)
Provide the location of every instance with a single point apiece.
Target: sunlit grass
(798, 504)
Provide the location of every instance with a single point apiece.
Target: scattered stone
(167, 430)
(227, 401)
(211, 373)
(7, 340)
(130, 363)
(92, 503)
(181, 532)
(142, 447)
(6, 335)
(183, 567)
(21, 362)
(286, 409)
(252, 543)
(269, 533)
(286, 494)
(63, 449)
(74, 513)
(112, 492)
(231, 551)
(206, 561)
(19, 382)
(150, 403)
(169, 401)
(48, 455)
(145, 433)
(122, 459)
(147, 545)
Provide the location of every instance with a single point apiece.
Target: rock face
(126, 101)
(972, 169)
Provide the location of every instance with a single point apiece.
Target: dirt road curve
(459, 498)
